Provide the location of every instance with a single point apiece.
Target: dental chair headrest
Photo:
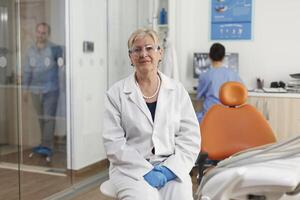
(233, 94)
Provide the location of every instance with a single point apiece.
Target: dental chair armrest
(200, 162)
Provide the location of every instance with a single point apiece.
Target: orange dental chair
(231, 127)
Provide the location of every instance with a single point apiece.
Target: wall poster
(231, 19)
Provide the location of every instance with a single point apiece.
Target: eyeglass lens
(148, 48)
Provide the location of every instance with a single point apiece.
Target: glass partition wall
(33, 150)
(9, 179)
(42, 98)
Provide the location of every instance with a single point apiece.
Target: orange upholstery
(233, 94)
(233, 126)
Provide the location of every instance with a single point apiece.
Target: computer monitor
(201, 62)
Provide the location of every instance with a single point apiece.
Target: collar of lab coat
(135, 94)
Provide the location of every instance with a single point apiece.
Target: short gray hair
(142, 33)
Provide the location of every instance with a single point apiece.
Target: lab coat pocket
(174, 125)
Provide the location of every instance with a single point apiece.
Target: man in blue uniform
(41, 80)
(211, 81)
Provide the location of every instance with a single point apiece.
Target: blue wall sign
(231, 19)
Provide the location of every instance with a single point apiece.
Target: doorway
(33, 138)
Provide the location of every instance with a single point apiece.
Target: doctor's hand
(168, 173)
(155, 179)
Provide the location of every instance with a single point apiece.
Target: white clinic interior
(271, 54)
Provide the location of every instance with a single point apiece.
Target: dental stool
(108, 189)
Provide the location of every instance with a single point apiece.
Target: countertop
(280, 95)
(260, 94)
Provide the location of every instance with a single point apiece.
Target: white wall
(88, 75)
(121, 23)
(124, 17)
(271, 54)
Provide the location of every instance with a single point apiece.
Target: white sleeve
(187, 139)
(120, 155)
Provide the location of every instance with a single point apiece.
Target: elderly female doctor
(151, 133)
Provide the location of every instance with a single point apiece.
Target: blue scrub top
(209, 84)
(41, 68)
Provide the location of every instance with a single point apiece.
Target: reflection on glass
(40, 80)
(33, 149)
(42, 98)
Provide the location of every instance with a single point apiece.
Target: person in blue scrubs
(211, 81)
(41, 82)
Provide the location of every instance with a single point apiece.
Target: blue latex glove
(155, 179)
(168, 173)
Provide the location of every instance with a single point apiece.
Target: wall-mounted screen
(201, 62)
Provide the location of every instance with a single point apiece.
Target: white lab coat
(169, 65)
(130, 134)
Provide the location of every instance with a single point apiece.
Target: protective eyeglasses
(148, 48)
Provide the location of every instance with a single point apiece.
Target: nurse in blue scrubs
(211, 81)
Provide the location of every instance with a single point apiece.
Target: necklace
(156, 91)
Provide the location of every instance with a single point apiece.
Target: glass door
(42, 98)
(33, 147)
(9, 154)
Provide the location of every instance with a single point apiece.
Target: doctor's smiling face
(145, 53)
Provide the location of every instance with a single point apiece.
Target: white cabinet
(163, 20)
(167, 30)
(150, 16)
(295, 115)
(282, 113)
